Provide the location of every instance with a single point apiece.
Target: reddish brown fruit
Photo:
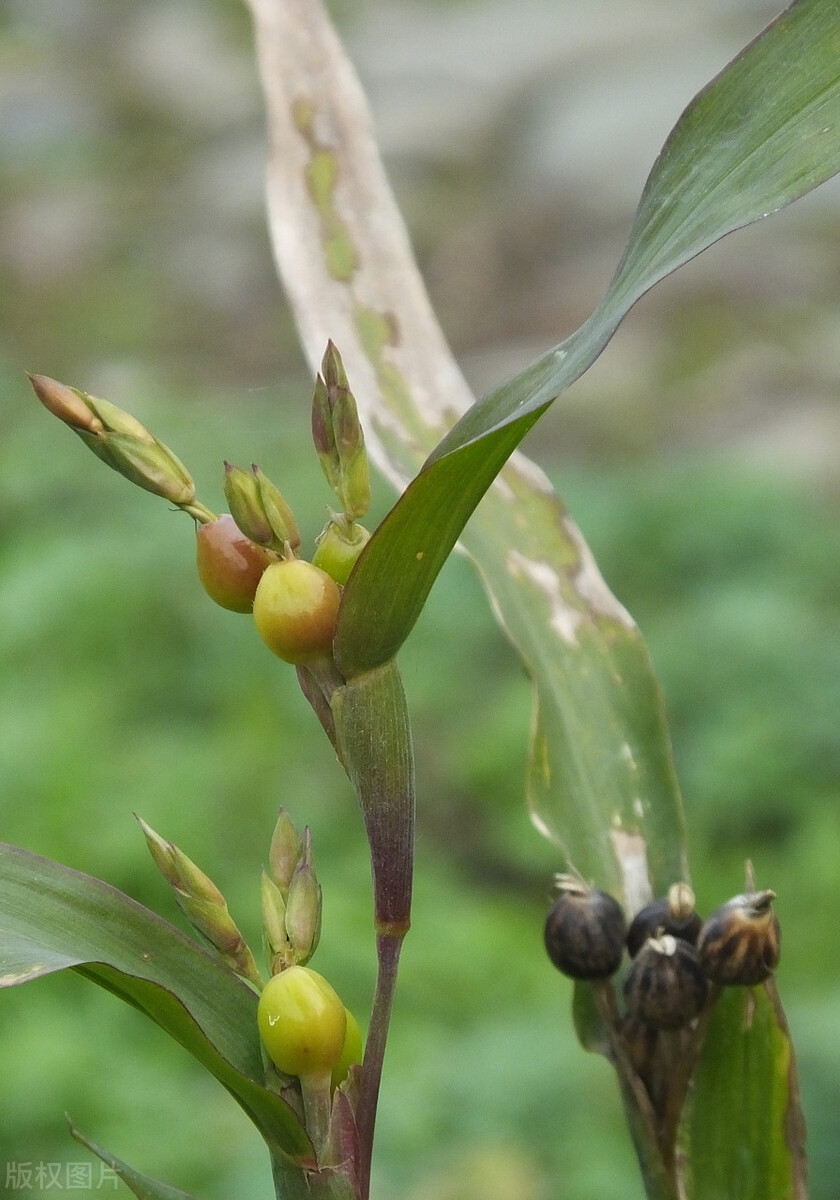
(230, 566)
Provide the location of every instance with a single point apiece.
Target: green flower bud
(280, 516)
(338, 437)
(303, 911)
(273, 908)
(120, 441)
(149, 465)
(116, 420)
(258, 508)
(284, 851)
(323, 435)
(202, 904)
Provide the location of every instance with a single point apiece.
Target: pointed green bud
(202, 904)
(150, 465)
(338, 437)
(280, 516)
(273, 909)
(161, 851)
(119, 440)
(115, 420)
(323, 435)
(243, 496)
(284, 852)
(332, 368)
(355, 485)
(303, 909)
(259, 509)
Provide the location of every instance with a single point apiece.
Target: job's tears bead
(585, 931)
(740, 942)
(672, 914)
(665, 986)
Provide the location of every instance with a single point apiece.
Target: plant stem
(315, 1090)
(659, 1180)
(682, 1071)
(199, 512)
(388, 948)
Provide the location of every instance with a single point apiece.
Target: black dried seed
(673, 914)
(740, 943)
(584, 932)
(665, 986)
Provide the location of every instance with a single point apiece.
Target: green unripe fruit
(295, 610)
(351, 1053)
(337, 554)
(302, 1022)
(229, 565)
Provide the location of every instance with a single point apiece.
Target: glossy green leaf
(762, 133)
(52, 918)
(143, 1186)
(743, 1134)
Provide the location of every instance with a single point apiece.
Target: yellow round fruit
(351, 1051)
(302, 1022)
(295, 610)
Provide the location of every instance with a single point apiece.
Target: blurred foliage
(134, 263)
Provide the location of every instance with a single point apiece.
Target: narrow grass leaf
(142, 1186)
(52, 918)
(764, 132)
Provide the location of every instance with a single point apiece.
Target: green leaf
(762, 133)
(52, 918)
(743, 1130)
(143, 1186)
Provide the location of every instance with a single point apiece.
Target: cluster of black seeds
(675, 955)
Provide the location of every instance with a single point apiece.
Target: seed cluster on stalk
(677, 965)
(674, 954)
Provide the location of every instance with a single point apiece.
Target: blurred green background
(699, 456)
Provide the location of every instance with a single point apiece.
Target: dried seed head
(740, 942)
(584, 931)
(665, 986)
(674, 914)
